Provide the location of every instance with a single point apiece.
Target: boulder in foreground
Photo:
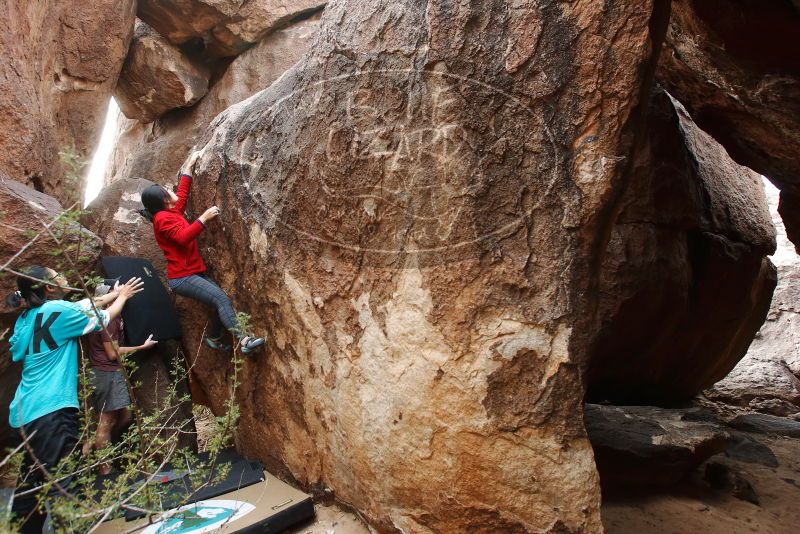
(413, 227)
(23, 214)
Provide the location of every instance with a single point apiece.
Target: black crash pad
(149, 312)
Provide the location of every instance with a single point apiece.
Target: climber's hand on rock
(188, 167)
(209, 214)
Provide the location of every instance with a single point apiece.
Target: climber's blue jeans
(201, 287)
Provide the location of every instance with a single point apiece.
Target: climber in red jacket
(185, 268)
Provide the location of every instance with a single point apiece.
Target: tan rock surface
(695, 507)
(60, 64)
(736, 67)
(156, 151)
(414, 225)
(686, 281)
(331, 519)
(157, 77)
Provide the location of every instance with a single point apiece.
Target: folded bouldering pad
(150, 311)
(248, 499)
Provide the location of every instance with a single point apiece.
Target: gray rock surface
(767, 424)
(645, 446)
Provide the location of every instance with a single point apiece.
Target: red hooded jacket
(177, 238)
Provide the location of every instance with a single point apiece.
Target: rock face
(736, 67)
(767, 424)
(60, 64)
(643, 446)
(686, 283)
(156, 151)
(768, 377)
(157, 77)
(228, 27)
(253, 21)
(23, 212)
(182, 20)
(416, 228)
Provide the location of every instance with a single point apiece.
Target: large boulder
(253, 22)
(768, 377)
(183, 20)
(414, 215)
(157, 77)
(228, 27)
(60, 64)
(686, 282)
(24, 240)
(24, 212)
(156, 151)
(735, 64)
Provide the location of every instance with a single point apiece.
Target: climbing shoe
(218, 344)
(249, 344)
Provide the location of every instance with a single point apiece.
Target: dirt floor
(696, 507)
(332, 520)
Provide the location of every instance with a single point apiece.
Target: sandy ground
(332, 520)
(696, 508)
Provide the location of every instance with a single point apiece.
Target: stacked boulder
(174, 55)
(157, 77)
(767, 379)
(735, 65)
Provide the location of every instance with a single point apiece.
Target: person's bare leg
(103, 436)
(123, 421)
